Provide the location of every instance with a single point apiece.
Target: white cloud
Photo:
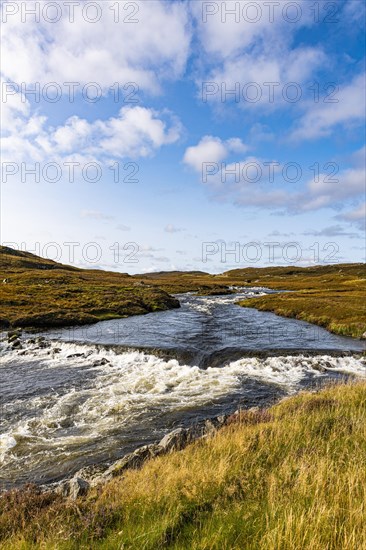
(170, 228)
(136, 132)
(355, 216)
(259, 183)
(212, 149)
(223, 35)
(153, 48)
(321, 118)
(237, 51)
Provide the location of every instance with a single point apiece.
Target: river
(89, 395)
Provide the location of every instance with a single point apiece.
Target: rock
(174, 441)
(16, 344)
(43, 345)
(133, 460)
(364, 335)
(16, 332)
(210, 426)
(73, 355)
(13, 338)
(73, 488)
(101, 362)
(57, 350)
(222, 419)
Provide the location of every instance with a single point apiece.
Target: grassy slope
(290, 478)
(331, 296)
(42, 293)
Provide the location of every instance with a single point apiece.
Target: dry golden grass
(294, 480)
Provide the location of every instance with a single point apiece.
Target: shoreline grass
(293, 479)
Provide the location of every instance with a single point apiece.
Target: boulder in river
(101, 362)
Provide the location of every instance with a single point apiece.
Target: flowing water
(89, 395)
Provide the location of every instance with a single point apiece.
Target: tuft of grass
(293, 477)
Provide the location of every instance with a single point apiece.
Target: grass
(39, 293)
(290, 478)
(332, 297)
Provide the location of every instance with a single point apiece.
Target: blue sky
(208, 177)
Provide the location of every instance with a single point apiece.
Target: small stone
(101, 362)
(16, 344)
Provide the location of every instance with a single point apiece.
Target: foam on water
(132, 387)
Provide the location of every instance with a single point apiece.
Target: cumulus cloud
(212, 149)
(333, 231)
(356, 216)
(135, 133)
(237, 51)
(145, 47)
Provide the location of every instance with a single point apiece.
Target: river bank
(292, 477)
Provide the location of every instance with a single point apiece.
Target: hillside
(40, 293)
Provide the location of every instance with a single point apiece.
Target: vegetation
(41, 293)
(289, 478)
(331, 296)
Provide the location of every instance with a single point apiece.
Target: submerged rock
(101, 362)
(16, 344)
